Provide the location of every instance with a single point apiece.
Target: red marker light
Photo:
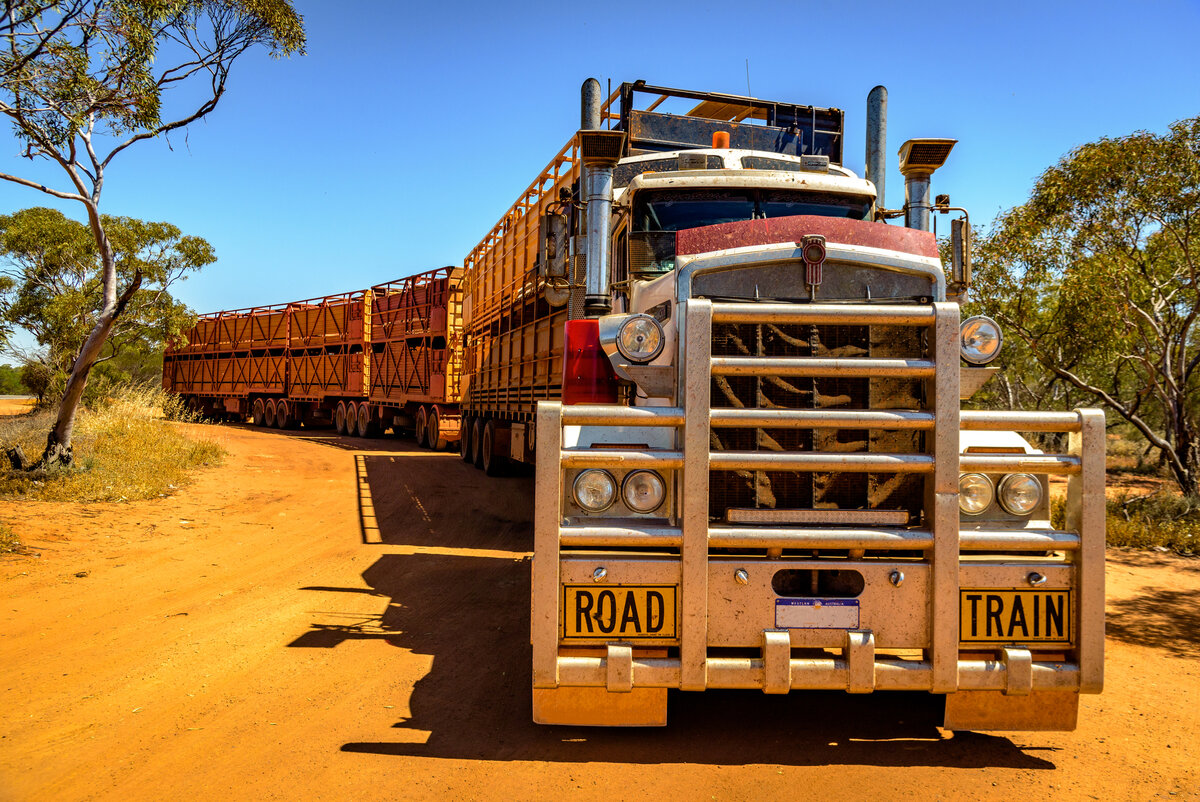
(588, 376)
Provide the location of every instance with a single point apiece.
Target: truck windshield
(658, 215)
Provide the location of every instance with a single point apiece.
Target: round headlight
(974, 493)
(980, 340)
(595, 490)
(640, 338)
(1020, 493)
(643, 491)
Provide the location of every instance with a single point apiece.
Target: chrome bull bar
(859, 668)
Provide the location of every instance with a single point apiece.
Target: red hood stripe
(793, 229)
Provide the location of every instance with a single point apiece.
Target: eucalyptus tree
(54, 291)
(1098, 276)
(81, 81)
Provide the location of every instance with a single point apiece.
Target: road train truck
(739, 376)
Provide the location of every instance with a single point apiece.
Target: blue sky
(409, 128)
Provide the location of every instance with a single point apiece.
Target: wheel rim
(420, 427)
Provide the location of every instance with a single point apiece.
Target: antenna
(748, 92)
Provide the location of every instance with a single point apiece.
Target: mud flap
(596, 707)
(993, 710)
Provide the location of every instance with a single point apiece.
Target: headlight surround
(1020, 493)
(975, 493)
(980, 340)
(640, 338)
(643, 491)
(594, 490)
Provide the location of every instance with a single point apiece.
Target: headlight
(975, 493)
(595, 490)
(980, 340)
(643, 491)
(640, 338)
(1020, 493)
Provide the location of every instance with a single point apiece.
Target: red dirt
(333, 618)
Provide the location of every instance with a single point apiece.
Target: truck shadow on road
(463, 599)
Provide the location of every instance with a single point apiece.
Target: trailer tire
(464, 439)
(258, 414)
(366, 428)
(476, 437)
(272, 423)
(283, 414)
(433, 431)
(419, 427)
(339, 418)
(351, 419)
(493, 464)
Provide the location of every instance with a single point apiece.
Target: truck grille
(792, 490)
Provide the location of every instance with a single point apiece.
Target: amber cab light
(588, 376)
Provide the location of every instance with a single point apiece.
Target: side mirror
(960, 247)
(553, 256)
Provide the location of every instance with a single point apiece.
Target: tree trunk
(59, 452)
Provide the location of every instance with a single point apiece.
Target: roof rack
(753, 124)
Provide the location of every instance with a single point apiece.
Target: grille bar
(819, 419)
(820, 461)
(826, 368)
(843, 314)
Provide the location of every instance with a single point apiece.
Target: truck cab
(759, 474)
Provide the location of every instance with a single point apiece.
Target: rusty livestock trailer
(363, 361)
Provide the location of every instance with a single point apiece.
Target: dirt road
(331, 618)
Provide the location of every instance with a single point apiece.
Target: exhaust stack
(876, 160)
(600, 151)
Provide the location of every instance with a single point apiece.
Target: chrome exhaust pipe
(876, 158)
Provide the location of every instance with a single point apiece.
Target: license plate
(992, 615)
(619, 612)
(816, 613)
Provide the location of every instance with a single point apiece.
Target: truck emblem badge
(812, 248)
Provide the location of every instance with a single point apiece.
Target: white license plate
(816, 613)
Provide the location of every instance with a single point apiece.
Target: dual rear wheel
(478, 447)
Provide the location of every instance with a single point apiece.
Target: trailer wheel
(352, 419)
(270, 414)
(493, 464)
(365, 426)
(422, 422)
(464, 439)
(259, 413)
(339, 418)
(283, 414)
(476, 437)
(435, 440)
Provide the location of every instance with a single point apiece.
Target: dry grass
(1163, 520)
(124, 450)
(9, 542)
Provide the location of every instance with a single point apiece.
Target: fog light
(975, 493)
(595, 490)
(643, 491)
(1020, 493)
